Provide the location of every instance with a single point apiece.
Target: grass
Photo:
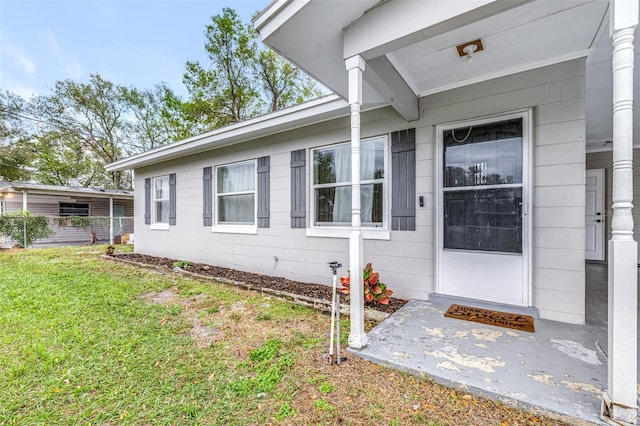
(86, 341)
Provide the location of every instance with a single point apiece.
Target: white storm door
(483, 197)
(594, 215)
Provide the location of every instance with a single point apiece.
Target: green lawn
(78, 345)
(88, 341)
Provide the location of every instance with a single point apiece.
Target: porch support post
(357, 337)
(24, 200)
(620, 400)
(110, 220)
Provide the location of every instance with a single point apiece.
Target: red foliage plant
(375, 292)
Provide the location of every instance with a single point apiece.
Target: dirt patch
(164, 297)
(204, 335)
(310, 290)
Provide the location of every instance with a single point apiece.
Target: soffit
(531, 35)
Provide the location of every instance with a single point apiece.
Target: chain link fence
(22, 230)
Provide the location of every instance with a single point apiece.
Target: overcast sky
(131, 42)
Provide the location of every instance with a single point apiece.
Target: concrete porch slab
(559, 369)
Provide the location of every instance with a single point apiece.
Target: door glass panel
(490, 154)
(486, 220)
(482, 186)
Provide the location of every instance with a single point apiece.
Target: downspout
(357, 336)
(620, 399)
(110, 220)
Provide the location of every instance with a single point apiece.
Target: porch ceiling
(525, 37)
(419, 57)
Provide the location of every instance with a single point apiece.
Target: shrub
(23, 228)
(375, 292)
(181, 264)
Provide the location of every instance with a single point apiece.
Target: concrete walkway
(560, 370)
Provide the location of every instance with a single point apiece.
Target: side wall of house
(556, 94)
(407, 260)
(49, 205)
(604, 160)
(403, 261)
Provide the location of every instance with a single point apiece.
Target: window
(331, 186)
(74, 209)
(236, 197)
(160, 204)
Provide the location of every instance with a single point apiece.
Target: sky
(137, 43)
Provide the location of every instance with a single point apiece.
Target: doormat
(485, 316)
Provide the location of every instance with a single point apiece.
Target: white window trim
(368, 232)
(228, 228)
(161, 226)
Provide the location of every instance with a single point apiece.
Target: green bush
(23, 228)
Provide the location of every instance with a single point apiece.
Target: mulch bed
(311, 290)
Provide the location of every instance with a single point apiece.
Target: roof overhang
(12, 187)
(410, 46)
(307, 113)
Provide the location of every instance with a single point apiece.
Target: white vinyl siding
(405, 260)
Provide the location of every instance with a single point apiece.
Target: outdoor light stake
(335, 316)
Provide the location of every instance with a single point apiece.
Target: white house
(468, 150)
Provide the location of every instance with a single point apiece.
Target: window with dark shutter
(207, 196)
(403, 160)
(298, 184)
(264, 197)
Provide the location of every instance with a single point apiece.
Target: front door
(594, 215)
(483, 202)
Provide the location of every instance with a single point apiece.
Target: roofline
(304, 114)
(67, 190)
(276, 14)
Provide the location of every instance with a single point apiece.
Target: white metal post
(620, 400)
(357, 337)
(110, 220)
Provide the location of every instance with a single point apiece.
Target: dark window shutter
(207, 196)
(147, 201)
(172, 199)
(298, 188)
(264, 197)
(403, 164)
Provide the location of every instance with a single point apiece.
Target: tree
(161, 117)
(243, 78)
(95, 123)
(16, 151)
(61, 158)
(93, 114)
(225, 91)
(282, 83)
